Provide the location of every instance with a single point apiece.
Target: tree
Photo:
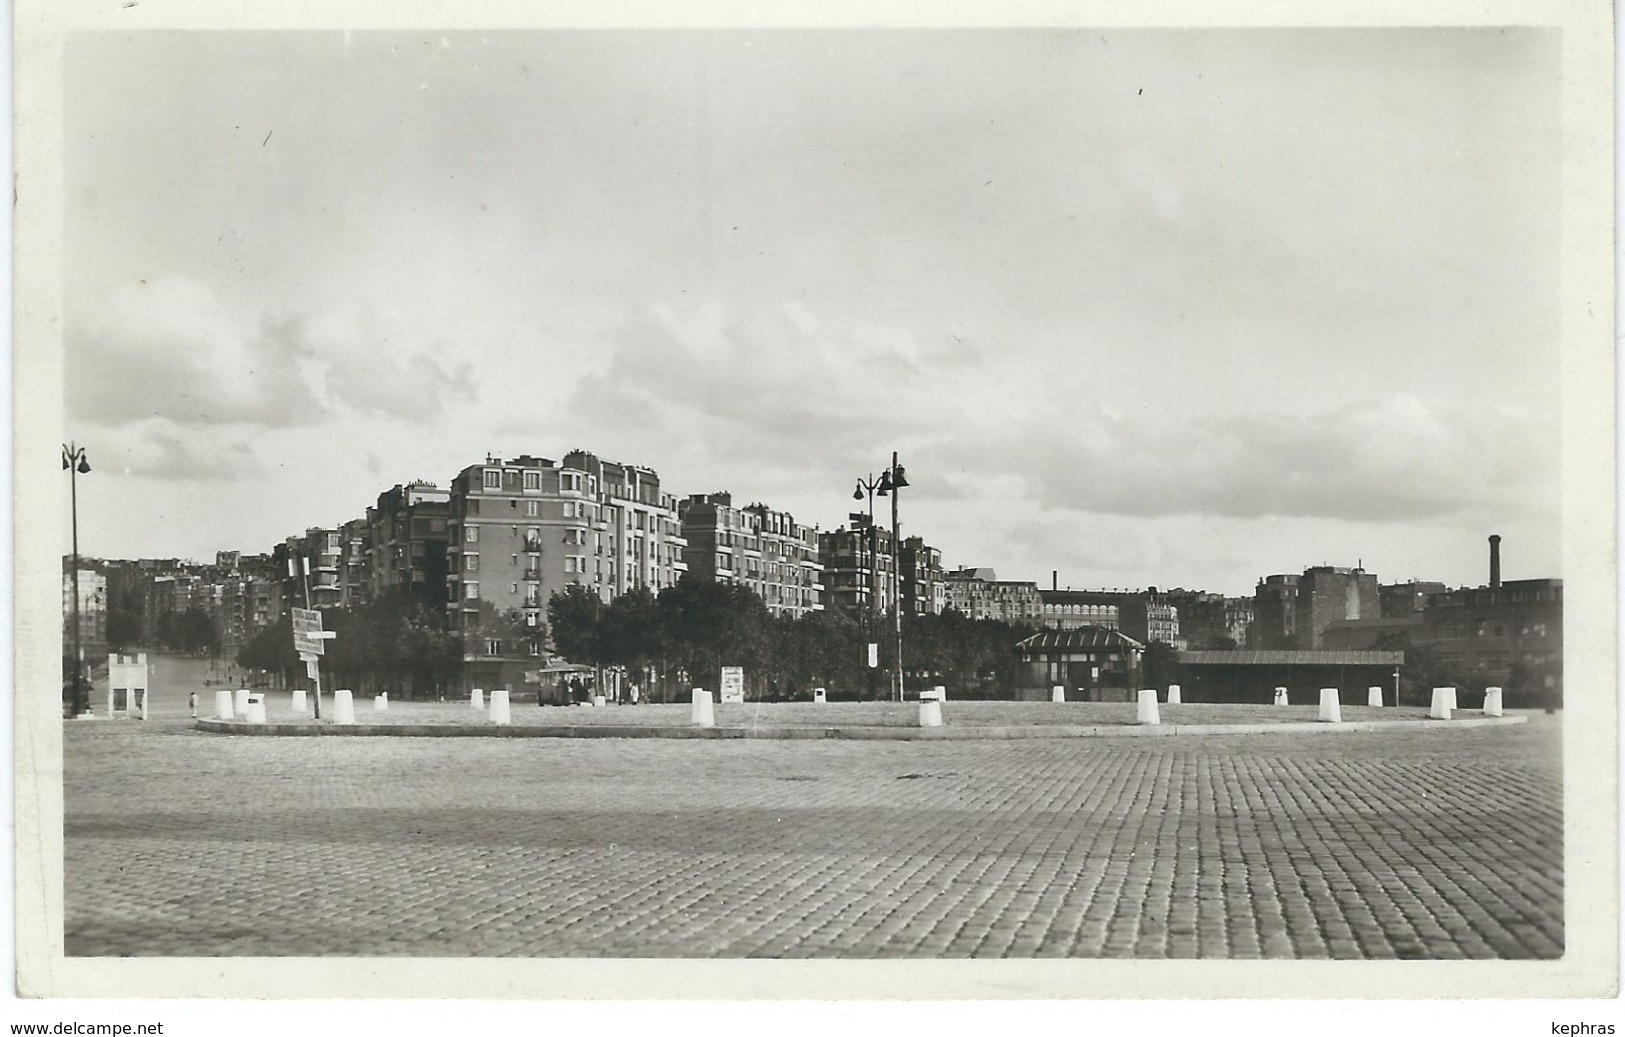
(1160, 665)
(574, 617)
(711, 625)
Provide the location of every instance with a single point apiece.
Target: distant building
(355, 563)
(92, 613)
(1327, 594)
(858, 567)
(980, 594)
(1212, 621)
(1275, 613)
(1143, 615)
(519, 531)
(921, 585)
(407, 531)
(756, 547)
(1396, 600)
(1503, 630)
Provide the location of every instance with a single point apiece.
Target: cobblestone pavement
(1443, 844)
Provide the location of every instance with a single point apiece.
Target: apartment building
(922, 586)
(1275, 613)
(859, 565)
(407, 527)
(1143, 615)
(520, 530)
(980, 594)
(756, 547)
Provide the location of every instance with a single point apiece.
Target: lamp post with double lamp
(892, 482)
(867, 485)
(75, 464)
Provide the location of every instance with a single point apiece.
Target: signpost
(733, 684)
(310, 641)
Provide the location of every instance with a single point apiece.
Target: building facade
(859, 564)
(980, 594)
(756, 547)
(922, 589)
(1275, 614)
(1493, 629)
(407, 530)
(519, 531)
(1328, 594)
(1212, 621)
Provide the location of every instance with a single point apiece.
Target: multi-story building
(408, 539)
(980, 594)
(1398, 600)
(519, 531)
(1143, 615)
(756, 547)
(859, 564)
(323, 550)
(92, 586)
(1328, 594)
(1492, 629)
(921, 585)
(1275, 614)
(1211, 621)
(355, 563)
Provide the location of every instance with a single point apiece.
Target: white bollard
(942, 692)
(476, 699)
(598, 700)
(500, 713)
(1373, 696)
(1280, 697)
(1057, 693)
(343, 707)
(145, 697)
(1147, 711)
(256, 709)
(239, 701)
(222, 705)
(299, 704)
(701, 714)
(380, 702)
(818, 695)
(1444, 700)
(930, 713)
(1492, 702)
(1331, 711)
(1173, 694)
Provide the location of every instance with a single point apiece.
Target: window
(471, 562)
(493, 479)
(493, 646)
(471, 535)
(569, 564)
(471, 591)
(530, 509)
(513, 588)
(513, 560)
(533, 480)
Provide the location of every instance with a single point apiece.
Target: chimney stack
(1495, 561)
(1055, 579)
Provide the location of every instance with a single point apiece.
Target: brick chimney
(1495, 561)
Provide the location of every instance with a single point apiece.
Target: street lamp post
(868, 485)
(892, 483)
(75, 463)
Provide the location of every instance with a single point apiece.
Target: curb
(901, 734)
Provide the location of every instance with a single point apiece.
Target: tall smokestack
(1495, 561)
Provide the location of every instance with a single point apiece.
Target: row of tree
(697, 627)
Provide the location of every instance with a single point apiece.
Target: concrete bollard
(256, 709)
(930, 713)
(1057, 693)
(1444, 700)
(239, 701)
(380, 702)
(819, 695)
(343, 707)
(500, 715)
(1147, 711)
(222, 705)
(1492, 702)
(476, 699)
(1373, 696)
(146, 701)
(598, 700)
(701, 714)
(1173, 695)
(942, 692)
(1280, 697)
(299, 705)
(1331, 711)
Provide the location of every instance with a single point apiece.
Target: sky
(1136, 308)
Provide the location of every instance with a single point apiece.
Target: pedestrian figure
(191, 700)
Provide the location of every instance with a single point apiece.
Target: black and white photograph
(887, 507)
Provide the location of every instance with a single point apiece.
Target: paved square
(1432, 844)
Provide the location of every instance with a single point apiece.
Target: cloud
(160, 449)
(1396, 458)
(172, 348)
